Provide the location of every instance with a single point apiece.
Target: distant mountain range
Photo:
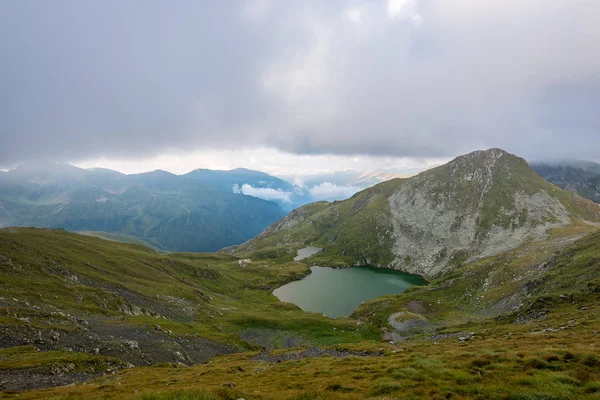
(203, 210)
(581, 177)
(198, 211)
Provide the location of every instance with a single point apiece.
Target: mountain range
(203, 210)
(581, 177)
(194, 212)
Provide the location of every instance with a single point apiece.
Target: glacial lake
(338, 292)
(306, 252)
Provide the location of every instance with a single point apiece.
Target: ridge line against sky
(269, 160)
(389, 80)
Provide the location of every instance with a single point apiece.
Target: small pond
(338, 292)
(306, 252)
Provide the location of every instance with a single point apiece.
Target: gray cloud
(423, 78)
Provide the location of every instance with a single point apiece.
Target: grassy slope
(116, 237)
(354, 231)
(496, 364)
(90, 277)
(545, 349)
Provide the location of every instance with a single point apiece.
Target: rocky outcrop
(440, 217)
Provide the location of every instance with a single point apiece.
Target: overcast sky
(296, 84)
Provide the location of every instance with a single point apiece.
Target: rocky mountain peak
(484, 161)
(477, 205)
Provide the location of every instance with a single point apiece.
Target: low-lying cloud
(330, 191)
(269, 194)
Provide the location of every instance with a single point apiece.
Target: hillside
(581, 177)
(477, 205)
(521, 325)
(170, 212)
(62, 290)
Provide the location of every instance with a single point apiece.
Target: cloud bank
(401, 78)
(263, 193)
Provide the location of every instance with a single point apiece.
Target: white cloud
(331, 191)
(256, 9)
(404, 10)
(356, 14)
(263, 193)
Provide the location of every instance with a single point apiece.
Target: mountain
(477, 205)
(581, 177)
(171, 212)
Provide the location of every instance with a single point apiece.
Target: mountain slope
(169, 211)
(98, 294)
(581, 177)
(522, 325)
(477, 205)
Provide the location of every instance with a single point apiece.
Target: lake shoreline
(337, 292)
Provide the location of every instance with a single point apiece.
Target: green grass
(85, 275)
(23, 357)
(496, 367)
(179, 395)
(115, 237)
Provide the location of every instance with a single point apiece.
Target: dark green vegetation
(176, 213)
(581, 177)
